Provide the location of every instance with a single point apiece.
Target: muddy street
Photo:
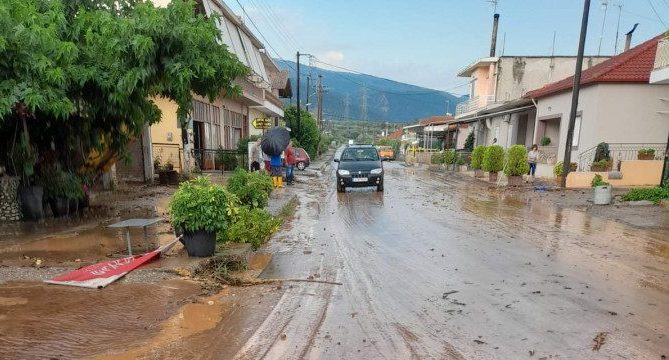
(438, 268)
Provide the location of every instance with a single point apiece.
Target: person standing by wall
(290, 163)
(532, 157)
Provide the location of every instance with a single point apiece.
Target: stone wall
(10, 209)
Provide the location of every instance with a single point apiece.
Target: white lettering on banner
(111, 266)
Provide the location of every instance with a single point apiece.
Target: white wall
(612, 113)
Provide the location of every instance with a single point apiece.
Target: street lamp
(299, 125)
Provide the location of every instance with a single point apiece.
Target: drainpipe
(628, 37)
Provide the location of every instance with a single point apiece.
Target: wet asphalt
(438, 268)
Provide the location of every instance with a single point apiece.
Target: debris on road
(599, 341)
(446, 294)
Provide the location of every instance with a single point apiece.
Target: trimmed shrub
(449, 157)
(252, 225)
(557, 169)
(515, 163)
(493, 159)
(437, 158)
(545, 141)
(252, 188)
(655, 194)
(477, 157)
(597, 180)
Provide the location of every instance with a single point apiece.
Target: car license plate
(360, 179)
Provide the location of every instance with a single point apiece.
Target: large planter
(478, 173)
(10, 206)
(31, 202)
(602, 194)
(168, 177)
(515, 180)
(645, 156)
(60, 207)
(199, 243)
(492, 176)
(558, 180)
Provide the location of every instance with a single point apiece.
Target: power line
(279, 23)
(656, 13)
(271, 22)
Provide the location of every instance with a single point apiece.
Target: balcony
(473, 104)
(660, 73)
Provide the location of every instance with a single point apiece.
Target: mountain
(387, 100)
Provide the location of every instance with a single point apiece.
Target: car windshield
(360, 154)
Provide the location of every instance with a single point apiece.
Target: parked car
(359, 166)
(302, 158)
(386, 153)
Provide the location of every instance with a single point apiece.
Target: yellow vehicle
(386, 153)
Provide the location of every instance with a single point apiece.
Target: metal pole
(306, 106)
(298, 92)
(127, 239)
(574, 96)
(664, 180)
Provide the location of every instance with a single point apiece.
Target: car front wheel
(341, 189)
(379, 188)
(301, 165)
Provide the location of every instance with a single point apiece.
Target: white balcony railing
(474, 104)
(662, 55)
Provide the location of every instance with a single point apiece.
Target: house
(213, 125)
(396, 135)
(496, 110)
(617, 105)
(428, 133)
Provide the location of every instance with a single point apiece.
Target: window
(577, 130)
(360, 154)
(210, 116)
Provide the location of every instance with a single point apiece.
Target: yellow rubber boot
(280, 180)
(274, 182)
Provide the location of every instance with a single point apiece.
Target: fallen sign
(99, 275)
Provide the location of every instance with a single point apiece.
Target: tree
(87, 73)
(307, 134)
(469, 142)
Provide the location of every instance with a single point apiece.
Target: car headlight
(343, 172)
(376, 171)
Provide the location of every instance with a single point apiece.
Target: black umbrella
(275, 141)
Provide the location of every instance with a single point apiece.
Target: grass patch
(288, 210)
(655, 194)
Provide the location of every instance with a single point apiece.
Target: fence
(218, 159)
(620, 152)
(548, 154)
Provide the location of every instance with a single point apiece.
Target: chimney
(628, 37)
(493, 41)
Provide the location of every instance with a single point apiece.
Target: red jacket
(290, 156)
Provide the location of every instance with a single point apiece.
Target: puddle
(49, 321)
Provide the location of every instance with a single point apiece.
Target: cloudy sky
(426, 42)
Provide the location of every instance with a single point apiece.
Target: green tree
(87, 73)
(469, 142)
(493, 158)
(306, 134)
(515, 162)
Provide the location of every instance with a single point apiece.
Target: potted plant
(646, 154)
(55, 190)
(201, 211)
(461, 164)
(167, 175)
(477, 160)
(24, 158)
(516, 164)
(602, 191)
(437, 161)
(601, 165)
(450, 159)
(73, 191)
(545, 141)
(493, 161)
(558, 170)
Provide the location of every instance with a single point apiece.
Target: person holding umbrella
(273, 143)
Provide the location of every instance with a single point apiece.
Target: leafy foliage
(600, 165)
(62, 184)
(545, 141)
(450, 157)
(244, 143)
(493, 159)
(395, 144)
(647, 152)
(227, 159)
(477, 157)
(200, 205)
(252, 188)
(437, 158)
(252, 225)
(602, 152)
(516, 161)
(469, 142)
(597, 180)
(307, 133)
(558, 168)
(655, 194)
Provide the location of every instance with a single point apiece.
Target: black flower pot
(200, 243)
(73, 205)
(59, 206)
(31, 202)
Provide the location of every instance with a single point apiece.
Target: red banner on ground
(99, 275)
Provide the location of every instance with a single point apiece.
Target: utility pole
(319, 97)
(298, 92)
(574, 95)
(363, 107)
(306, 106)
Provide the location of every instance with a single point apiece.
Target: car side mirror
(336, 160)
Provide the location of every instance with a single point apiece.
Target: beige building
(213, 125)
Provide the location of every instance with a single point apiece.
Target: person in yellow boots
(277, 174)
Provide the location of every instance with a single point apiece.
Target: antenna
(494, 4)
(615, 46)
(605, 6)
(503, 43)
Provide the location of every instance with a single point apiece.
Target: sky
(426, 42)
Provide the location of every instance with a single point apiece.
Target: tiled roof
(396, 135)
(435, 120)
(279, 79)
(631, 66)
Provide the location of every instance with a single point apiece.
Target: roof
(631, 66)
(435, 120)
(396, 135)
(467, 72)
